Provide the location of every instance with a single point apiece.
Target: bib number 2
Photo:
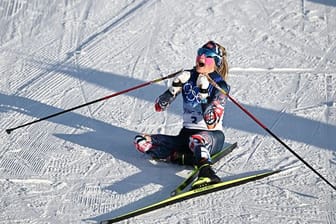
(193, 119)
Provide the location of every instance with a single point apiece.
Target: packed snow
(81, 167)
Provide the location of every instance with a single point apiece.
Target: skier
(203, 109)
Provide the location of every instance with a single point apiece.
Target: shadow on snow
(325, 2)
(106, 137)
(286, 125)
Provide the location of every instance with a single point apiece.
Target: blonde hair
(223, 69)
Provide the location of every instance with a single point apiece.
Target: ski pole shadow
(285, 125)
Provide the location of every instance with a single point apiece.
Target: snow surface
(82, 166)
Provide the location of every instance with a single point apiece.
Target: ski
(192, 176)
(191, 194)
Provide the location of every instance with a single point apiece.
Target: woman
(203, 109)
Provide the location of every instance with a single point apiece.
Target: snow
(82, 167)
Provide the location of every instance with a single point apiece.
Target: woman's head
(212, 57)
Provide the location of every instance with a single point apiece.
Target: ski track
(91, 41)
(53, 54)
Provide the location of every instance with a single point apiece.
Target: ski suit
(195, 137)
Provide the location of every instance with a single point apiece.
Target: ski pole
(97, 100)
(269, 131)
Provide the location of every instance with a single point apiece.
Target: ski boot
(206, 176)
(183, 159)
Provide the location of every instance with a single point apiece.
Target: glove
(143, 143)
(203, 84)
(180, 79)
(213, 114)
(163, 101)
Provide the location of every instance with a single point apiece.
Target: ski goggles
(210, 54)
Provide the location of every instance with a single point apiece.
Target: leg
(160, 146)
(204, 144)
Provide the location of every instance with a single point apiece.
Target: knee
(199, 140)
(195, 141)
(199, 145)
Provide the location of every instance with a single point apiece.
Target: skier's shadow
(116, 141)
(162, 175)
